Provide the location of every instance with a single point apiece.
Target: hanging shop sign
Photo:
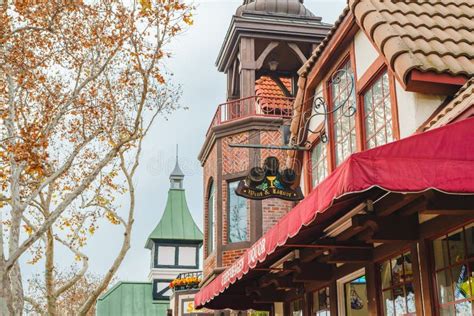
(268, 182)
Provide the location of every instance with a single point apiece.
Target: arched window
(211, 242)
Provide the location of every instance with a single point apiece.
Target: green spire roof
(130, 298)
(176, 222)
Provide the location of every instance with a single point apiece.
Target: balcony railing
(268, 106)
(186, 281)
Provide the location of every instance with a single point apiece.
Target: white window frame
(341, 295)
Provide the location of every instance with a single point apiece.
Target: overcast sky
(193, 65)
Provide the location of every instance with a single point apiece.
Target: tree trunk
(49, 273)
(16, 283)
(6, 307)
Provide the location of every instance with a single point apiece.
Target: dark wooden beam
(331, 243)
(450, 205)
(310, 271)
(314, 272)
(452, 212)
(280, 282)
(265, 294)
(391, 228)
(350, 232)
(309, 254)
(287, 282)
(442, 224)
(392, 202)
(413, 207)
(348, 256)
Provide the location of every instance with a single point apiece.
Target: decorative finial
(177, 152)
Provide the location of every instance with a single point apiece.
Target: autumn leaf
(28, 229)
(146, 5)
(187, 18)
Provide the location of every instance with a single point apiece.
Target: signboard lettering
(268, 182)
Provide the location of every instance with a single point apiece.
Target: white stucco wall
(365, 53)
(414, 109)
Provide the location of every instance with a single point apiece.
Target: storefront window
(378, 113)
(319, 163)
(454, 262)
(344, 120)
(398, 294)
(355, 293)
(321, 303)
(296, 307)
(237, 215)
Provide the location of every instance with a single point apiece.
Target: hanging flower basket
(187, 283)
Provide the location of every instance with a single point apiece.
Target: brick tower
(267, 42)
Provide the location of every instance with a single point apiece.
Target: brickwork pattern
(235, 160)
(228, 257)
(273, 210)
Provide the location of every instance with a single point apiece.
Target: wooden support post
(427, 293)
(371, 277)
(333, 298)
(416, 278)
(247, 76)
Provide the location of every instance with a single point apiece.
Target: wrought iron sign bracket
(319, 108)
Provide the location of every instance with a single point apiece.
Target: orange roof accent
(269, 95)
(463, 100)
(265, 86)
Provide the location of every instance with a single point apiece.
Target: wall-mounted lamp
(273, 64)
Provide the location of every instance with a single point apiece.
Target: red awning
(441, 159)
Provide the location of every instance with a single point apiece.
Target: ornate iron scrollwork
(320, 108)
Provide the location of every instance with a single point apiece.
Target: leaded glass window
(237, 215)
(378, 113)
(344, 120)
(319, 163)
(454, 264)
(398, 293)
(321, 303)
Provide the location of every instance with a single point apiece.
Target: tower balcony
(254, 106)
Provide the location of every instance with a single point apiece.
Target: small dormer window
(177, 256)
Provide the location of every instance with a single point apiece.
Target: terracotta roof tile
(427, 35)
(267, 87)
(270, 96)
(463, 100)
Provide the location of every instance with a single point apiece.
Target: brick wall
(272, 211)
(228, 257)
